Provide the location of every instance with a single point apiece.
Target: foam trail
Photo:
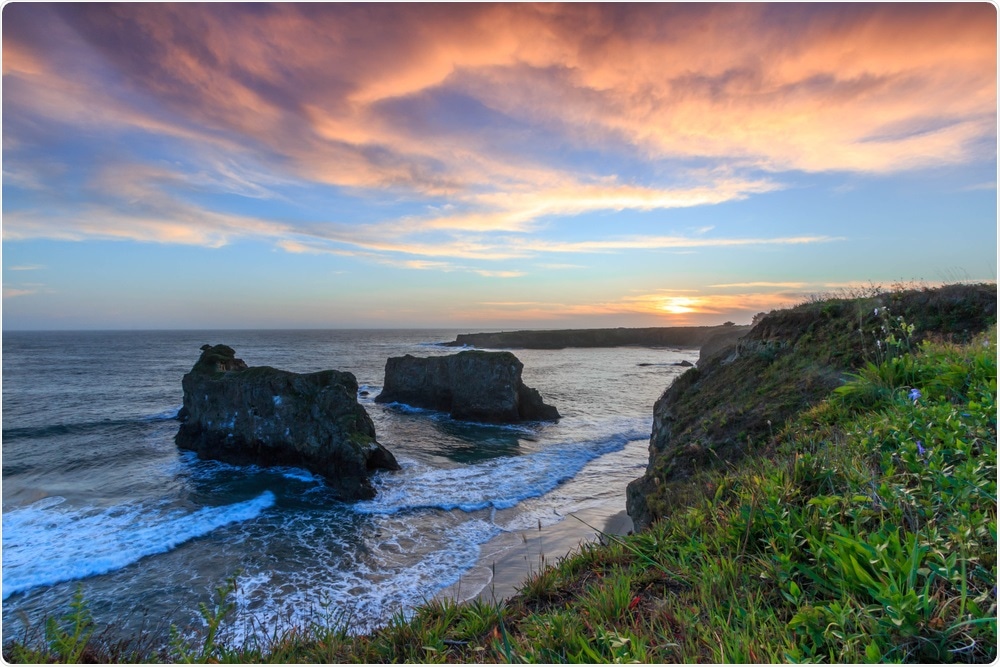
(42, 547)
(164, 415)
(439, 415)
(377, 585)
(498, 483)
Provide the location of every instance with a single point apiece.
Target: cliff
(560, 338)
(265, 416)
(742, 391)
(473, 385)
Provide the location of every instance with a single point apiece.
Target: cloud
(12, 292)
(789, 285)
(500, 274)
(489, 115)
(24, 289)
(25, 267)
(663, 243)
(665, 307)
(556, 266)
(990, 185)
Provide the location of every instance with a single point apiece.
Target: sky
(487, 166)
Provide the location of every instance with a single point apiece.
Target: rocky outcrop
(747, 384)
(265, 416)
(473, 385)
(622, 336)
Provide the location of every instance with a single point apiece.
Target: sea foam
(498, 483)
(44, 546)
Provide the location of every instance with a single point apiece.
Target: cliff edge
(745, 388)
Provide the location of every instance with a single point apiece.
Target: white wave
(439, 415)
(499, 483)
(299, 474)
(42, 546)
(410, 409)
(382, 578)
(164, 415)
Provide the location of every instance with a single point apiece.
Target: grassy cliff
(735, 401)
(858, 526)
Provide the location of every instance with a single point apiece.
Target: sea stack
(265, 416)
(472, 385)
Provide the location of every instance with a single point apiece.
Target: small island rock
(472, 385)
(265, 416)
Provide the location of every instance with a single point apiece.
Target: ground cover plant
(865, 531)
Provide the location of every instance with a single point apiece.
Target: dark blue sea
(96, 493)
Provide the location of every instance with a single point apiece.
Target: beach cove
(98, 472)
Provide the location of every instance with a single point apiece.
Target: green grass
(867, 532)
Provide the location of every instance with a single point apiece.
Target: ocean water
(95, 493)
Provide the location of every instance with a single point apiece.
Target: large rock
(473, 385)
(265, 416)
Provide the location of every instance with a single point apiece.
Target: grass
(865, 532)
(714, 415)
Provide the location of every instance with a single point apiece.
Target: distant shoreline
(555, 339)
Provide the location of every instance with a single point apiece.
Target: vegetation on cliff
(864, 531)
(733, 404)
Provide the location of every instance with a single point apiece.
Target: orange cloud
(356, 96)
(728, 81)
(663, 308)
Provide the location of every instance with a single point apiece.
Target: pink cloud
(317, 92)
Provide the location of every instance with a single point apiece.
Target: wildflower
(876, 311)
(920, 448)
(915, 395)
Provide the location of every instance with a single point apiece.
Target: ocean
(96, 493)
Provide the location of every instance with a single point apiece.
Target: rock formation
(265, 416)
(473, 385)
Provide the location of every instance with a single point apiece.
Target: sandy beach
(507, 560)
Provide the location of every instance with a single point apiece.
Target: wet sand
(507, 560)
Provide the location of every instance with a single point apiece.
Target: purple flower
(920, 448)
(915, 394)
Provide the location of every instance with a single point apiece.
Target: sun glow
(679, 305)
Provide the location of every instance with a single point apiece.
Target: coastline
(510, 558)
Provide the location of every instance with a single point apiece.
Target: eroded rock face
(265, 416)
(472, 385)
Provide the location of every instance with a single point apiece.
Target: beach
(510, 558)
